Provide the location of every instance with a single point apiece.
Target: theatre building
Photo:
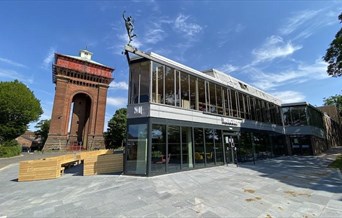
(180, 118)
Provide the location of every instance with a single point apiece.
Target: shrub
(337, 163)
(9, 149)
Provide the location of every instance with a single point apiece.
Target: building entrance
(231, 142)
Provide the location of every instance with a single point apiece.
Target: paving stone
(280, 187)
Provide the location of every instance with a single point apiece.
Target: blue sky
(276, 46)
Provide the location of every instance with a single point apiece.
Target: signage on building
(230, 122)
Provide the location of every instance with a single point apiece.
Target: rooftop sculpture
(129, 23)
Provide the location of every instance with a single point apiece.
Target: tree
(333, 54)
(334, 100)
(18, 107)
(116, 131)
(43, 127)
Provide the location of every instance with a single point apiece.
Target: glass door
(230, 146)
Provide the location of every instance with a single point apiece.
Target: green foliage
(116, 131)
(333, 54)
(334, 100)
(337, 163)
(10, 149)
(18, 107)
(43, 127)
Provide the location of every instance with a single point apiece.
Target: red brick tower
(80, 101)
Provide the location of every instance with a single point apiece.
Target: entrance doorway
(231, 142)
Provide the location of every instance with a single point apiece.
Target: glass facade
(158, 146)
(176, 88)
(303, 142)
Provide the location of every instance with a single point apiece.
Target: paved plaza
(280, 187)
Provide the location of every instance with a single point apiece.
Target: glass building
(182, 119)
(304, 128)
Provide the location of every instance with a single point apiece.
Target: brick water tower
(78, 114)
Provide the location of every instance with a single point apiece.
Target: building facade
(180, 118)
(80, 101)
(304, 128)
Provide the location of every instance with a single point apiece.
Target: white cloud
(274, 47)
(13, 63)
(302, 73)
(305, 23)
(118, 102)
(289, 96)
(297, 21)
(181, 24)
(49, 58)
(14, 75)
(154, 36)
(119, 85)
(228, 68)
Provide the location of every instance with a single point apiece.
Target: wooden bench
(85, 154)
(103, 164)
(39, 170)
(95, 162)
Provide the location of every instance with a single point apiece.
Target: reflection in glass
(209, 146)
(170, 97)
(173, 158)
(136, 149)
(157, 83)
(193, 93)
(201, 95)
(159, 158)
(185, 91)
(218, 147)
(199, 147)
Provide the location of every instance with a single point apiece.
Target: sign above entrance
(230, 122)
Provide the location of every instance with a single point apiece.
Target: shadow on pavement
(311, 172)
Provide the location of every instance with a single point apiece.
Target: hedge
(10, 149)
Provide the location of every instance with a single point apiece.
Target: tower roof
(83, 63)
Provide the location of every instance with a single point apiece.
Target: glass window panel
(193, 93)
(209, 147)
(185, 96)
(219, 99)
(234, 103)
(136, 150)
(159, 158)
(262, 145)
(188, 162)
(134, 85)
(144, 81)
(242, 107)
(212, 98)
(253, 109)
(201, 94)
(178, 88)
(229, 108)
(170, 97)
(199, 147)
(286, 116)
(157, 83)
(174, 149)
(245, 150)
(218, 147)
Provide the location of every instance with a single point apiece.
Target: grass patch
(337, 163)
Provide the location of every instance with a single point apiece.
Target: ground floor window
(301, 145)
(167, 148)
(136, 150)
